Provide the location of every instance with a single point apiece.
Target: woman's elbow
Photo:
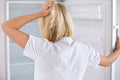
(4, 25)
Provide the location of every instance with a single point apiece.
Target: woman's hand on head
(45, 9)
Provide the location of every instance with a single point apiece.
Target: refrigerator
(93, 24)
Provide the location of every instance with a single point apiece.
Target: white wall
(2, 51)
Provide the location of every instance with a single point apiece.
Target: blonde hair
(57, 24)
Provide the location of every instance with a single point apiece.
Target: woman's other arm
(108, 60)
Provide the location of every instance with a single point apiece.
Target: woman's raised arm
(12, 26)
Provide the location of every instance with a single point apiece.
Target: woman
(57, 56)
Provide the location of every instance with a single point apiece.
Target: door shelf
(84, 11)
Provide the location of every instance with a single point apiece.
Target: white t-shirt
(65, 59)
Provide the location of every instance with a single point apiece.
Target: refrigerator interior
(91, 22)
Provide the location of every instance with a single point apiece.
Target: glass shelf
(20, 64)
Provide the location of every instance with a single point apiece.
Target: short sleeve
(94, 57)
(35, 47)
